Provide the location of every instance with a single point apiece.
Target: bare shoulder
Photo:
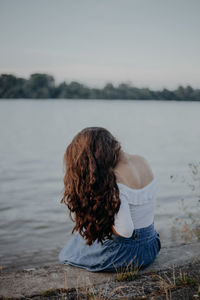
(138, 158)
(142, 165)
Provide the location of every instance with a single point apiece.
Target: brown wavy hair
(90, 189)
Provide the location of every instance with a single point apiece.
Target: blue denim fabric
(140, 250)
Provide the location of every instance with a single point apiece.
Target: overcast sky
(150, 43)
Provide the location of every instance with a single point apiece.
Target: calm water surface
(34, 134)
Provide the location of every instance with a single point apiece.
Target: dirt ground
(179, 283)
(174, 275)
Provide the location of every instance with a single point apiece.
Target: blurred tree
(43, 86)
(110, 92)
(39, 86)
(180, 93)
(165, 94)
(11, 87)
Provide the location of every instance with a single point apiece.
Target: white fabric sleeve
(123, 221)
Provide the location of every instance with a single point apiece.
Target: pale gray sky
(151, 43)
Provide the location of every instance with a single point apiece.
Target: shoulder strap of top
(139, 196)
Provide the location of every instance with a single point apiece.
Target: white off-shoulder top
(137, 208)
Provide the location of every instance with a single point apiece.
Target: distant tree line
(42, 86)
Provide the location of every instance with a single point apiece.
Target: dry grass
(127, 273)
(188, 227)
(174, 281)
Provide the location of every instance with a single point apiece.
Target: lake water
(34, 134)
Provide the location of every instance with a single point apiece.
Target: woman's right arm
(123, 225)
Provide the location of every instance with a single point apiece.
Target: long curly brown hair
(90, 189)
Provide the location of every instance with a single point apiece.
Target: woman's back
(137, 187)
(133, 171)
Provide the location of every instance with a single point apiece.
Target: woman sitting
(111, 197)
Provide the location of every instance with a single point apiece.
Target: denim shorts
(139, 250)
